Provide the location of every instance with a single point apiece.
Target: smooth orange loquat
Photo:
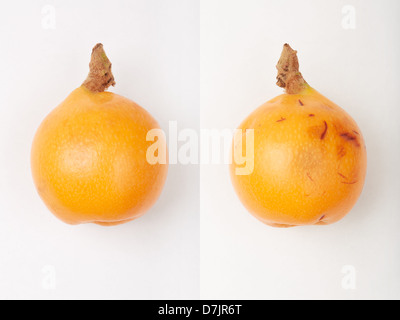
(88, 157)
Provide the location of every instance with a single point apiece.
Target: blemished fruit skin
(89, 163)
(309, 161)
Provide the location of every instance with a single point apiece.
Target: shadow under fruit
(88, 156)
(309, 156)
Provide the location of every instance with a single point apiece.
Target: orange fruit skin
(309, 161)
(88, 160)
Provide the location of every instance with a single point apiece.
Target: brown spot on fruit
(309, 177)
(341, 152)
(311, 115)
(318, 131)
(320, 219)
(281, 119)
(325, 130)
(301, 103)
(353, 182)
(350, 137)
(342, 175)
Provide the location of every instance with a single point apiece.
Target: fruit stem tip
(289, 76)
(100, 76)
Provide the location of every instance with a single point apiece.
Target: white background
(241, 42)
(154, 48)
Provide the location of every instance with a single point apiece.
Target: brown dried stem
(289, 76)
(100, 76)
